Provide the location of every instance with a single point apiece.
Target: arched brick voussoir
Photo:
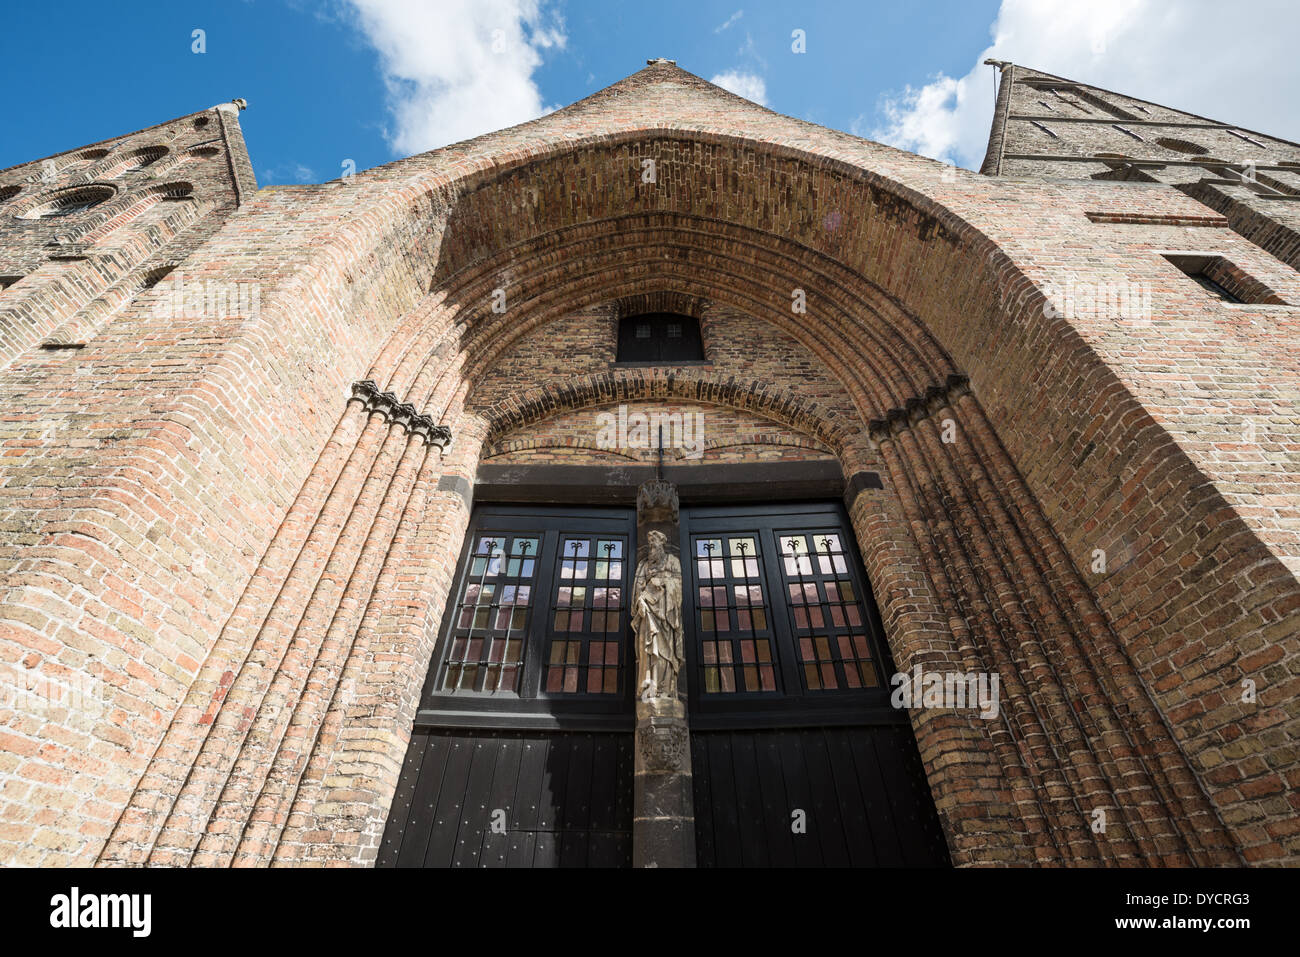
(624, 385)
(893, 344)
(402, 197)
(562, 290)
(871, 393)
(832, 290)
(900, 189)
(841, 321)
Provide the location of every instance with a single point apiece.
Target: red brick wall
(254, 565)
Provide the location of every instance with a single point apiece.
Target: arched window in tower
(659, 338)
(135, 161)
(70, 203)
(80, 161)
(79, 205)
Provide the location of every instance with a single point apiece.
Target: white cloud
(750, 49)
(290, 172)
(730, 20)
(458, 68)
(1231, 63)
(748, 85)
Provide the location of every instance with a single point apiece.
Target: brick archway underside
(317, 670)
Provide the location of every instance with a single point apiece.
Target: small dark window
(1205, 282)
(660, 338)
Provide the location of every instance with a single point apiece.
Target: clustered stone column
(222, 788)
(663, 827)
(1097, 778)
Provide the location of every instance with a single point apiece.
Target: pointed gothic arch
(925, 312)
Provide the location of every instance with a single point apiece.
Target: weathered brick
(248, 567)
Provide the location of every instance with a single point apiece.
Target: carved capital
(431, 432)
(916, 409)
(402, 414)
(656, 501)
(399, 413)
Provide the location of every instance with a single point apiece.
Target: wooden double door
(521, 753)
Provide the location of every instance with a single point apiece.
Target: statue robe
(657, 615)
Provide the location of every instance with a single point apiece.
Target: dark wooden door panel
(565, 798)
(526, 714)
(527, 706)
(788, 667)
(862, 792)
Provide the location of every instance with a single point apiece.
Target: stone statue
(657, 619)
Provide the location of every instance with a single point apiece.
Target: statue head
(657, 542)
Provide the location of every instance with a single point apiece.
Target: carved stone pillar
(663, 826)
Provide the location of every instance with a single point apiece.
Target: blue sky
(372, 80)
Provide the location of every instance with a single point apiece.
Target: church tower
(1046, 126)
(87, 231)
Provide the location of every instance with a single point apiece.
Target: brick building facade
(1059, 401)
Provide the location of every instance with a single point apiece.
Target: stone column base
(663, 828)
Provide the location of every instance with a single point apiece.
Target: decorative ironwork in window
(827, 615)
(589, 620)
(540, 609)
(736, 641)
(776, 613)
(780, 616)
(486, 652)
